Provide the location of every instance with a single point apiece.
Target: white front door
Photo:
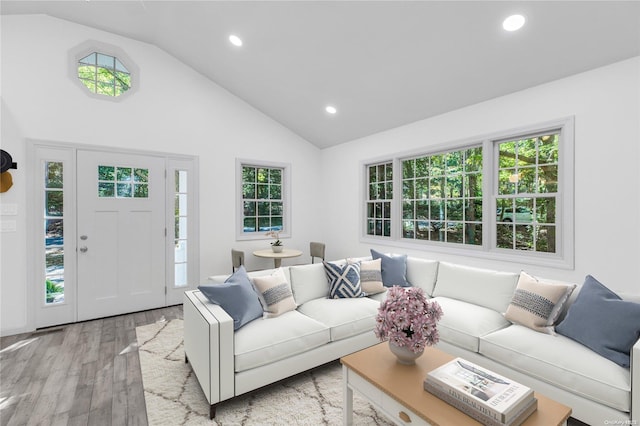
(120, 233)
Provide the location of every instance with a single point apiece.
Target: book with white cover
(481, 389)
(518, 418)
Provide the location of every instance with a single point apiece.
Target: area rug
(173, 395)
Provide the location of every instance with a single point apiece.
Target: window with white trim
(54, 231)
(379, 196)
(263, 194)
(103, 71)
(503, 196)
(526, 192)
(180, 228)
(442, 197)
(104, 74)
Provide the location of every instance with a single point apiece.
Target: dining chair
(317, 250)
(237, 259)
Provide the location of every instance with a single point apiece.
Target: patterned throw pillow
(537, 304)
(370, 275)
(344, 281)
(275, 294)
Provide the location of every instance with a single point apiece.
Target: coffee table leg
(347, 393)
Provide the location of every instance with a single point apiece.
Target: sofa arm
(635, 382)
(208, 346)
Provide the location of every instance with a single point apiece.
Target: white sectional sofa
(473, 326)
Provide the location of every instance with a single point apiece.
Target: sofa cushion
(308, 282)
(370, 275)
(394, 269)
(344, 280)
(266, 340)
(422, 273)
(562, 362)
(275, 293)
(344, 317)
(462, 323)
(252, 274)
(602, 321)
(236, 296)
(536, 304)
(484, 287)
(379, 297)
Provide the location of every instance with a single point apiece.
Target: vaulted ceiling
(382, 64)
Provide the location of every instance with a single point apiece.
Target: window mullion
(396, 201)
(489, 190)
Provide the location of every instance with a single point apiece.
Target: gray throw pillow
(236, 296)
(394, 269)
(602, 321)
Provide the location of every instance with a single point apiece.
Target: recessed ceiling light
(331, 109)
(235, 40)
(513, 23)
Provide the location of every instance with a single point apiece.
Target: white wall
(606, 106)
(175, 110)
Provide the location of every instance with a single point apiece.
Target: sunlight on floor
(18, 345)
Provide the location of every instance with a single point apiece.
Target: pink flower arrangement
(408, 319)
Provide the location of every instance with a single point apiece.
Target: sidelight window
(54, 232)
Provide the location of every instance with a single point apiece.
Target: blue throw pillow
(394, 269)
(236, 296)
(602, 321)
(344, 281)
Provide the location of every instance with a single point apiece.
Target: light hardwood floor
(86, 373)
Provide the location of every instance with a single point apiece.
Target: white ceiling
(381, 63)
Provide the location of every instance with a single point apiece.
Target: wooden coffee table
(397, 390)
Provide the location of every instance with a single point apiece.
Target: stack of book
(491, 399)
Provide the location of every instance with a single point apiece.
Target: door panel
(121, 228)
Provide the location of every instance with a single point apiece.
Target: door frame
(35, 248)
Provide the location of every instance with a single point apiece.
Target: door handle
(83, 249)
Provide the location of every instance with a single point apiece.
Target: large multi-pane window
(507, 195)
(527, 193)
(54, 232)
(379, 197)
(262, 198)
(442, 197)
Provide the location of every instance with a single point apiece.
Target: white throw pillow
(275, 294)
(537, 304)
(370, 275)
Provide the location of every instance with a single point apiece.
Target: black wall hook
(6, 162)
